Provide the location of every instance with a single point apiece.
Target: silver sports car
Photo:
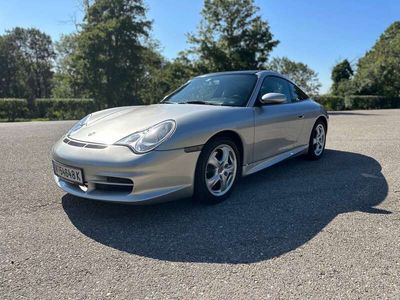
(198, 141)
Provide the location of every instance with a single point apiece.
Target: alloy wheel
(221, 170)
(319, 139)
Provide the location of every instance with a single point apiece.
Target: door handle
(300, 116)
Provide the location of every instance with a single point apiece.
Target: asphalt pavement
(328, 229)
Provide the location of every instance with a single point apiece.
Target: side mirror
(273, 98)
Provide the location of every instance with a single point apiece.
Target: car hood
(111, 125)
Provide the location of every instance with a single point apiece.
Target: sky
(318, 33)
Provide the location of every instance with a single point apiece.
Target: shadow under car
(268, 214)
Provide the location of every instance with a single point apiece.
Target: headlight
(146, 140)
(79, 125)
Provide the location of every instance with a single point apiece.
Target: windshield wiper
(198, 102)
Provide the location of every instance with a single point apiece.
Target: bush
(331, 102)
(357, 102)
(12, 109)
(371, 102)
(63, 109)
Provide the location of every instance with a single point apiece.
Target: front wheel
(217, 171)
(317, 142)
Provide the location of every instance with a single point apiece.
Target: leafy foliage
(163, 77)
(342, 71)
(341, 76)
(109, 51)
(351, 102)
(344, 88)
(63, 109)
(67, 81)
(378, 71)
(300, 73)
(231, 36)
(112, 58)
(26, 57)
(11, 109)
(371, 102)
(331, 102)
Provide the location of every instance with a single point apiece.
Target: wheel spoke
(229, 179)
(223, 182)
(225, 155)
(230, 169)
(214, 161)
(211, 182)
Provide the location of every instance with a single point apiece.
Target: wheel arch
(235, 137)
(324, 120)
(321, 118)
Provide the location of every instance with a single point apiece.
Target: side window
(298, 94)
(275, 85)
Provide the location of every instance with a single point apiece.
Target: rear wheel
(317, 142)
(217, 171)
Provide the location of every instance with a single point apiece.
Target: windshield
(228, 90)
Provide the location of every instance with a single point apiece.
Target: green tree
(344, 88)
(177, 72)
(109, 51)
(341, 76)
(299, 72)
(67, 82)
(164, 76)
(378, 71)
(26, 59)
(9, 70)
(342, 71)
(231, 36)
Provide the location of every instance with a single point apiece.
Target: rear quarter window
(298, 94)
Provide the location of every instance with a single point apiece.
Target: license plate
(68, 173)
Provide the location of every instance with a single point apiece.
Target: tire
(316, 146)
(219, 157)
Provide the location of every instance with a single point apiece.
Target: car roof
(260, 73)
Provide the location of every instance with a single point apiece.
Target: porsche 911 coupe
(197, 142)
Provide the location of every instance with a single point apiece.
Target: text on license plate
(68, 173)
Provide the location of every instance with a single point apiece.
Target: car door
(277, 126)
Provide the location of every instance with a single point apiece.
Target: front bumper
(156, 176)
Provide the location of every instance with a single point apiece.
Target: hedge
(12, 109)
(53, 109)
(358, 102)
(371, 102)
(73, 109)
(63, 109)
(331, 102)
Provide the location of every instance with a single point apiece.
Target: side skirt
(262, 164)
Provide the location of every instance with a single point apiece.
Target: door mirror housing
(273, 98)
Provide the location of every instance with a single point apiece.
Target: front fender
(197, 130)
